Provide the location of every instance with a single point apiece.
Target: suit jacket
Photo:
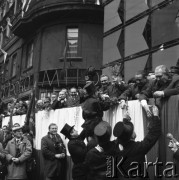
(71, 102)
(53, 166)
(136, 151)
(77, 148)
(152, 87)
(132, 91)
(58, 104)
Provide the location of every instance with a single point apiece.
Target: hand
(60, 156)
(158, 94)
(15, 160)
(173, 146)
(155, 110)
(146, 107)
(123, 104)
(126, 115)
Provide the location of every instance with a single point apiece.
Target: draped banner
(73, 116)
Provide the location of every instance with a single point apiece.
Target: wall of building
(136, 31)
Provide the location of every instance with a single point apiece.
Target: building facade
(50, 42)
(140, 34)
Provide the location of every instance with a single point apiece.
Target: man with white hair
(162, 87)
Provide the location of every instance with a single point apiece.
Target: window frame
(12, 65)
(69, 53)
(30, 54)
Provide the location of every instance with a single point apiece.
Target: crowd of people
(16, 145)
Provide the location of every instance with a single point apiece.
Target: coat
(173, 87)
(92, 112)
(77, 149)
(136, 151)
(18, 171)
(132, 91)
(53, 166)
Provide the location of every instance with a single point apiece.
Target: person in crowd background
(54, 153)
(132, 93)
(77, 149)
(74, 99)
(18, 151)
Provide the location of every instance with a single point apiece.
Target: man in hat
(132, 93)
(18, 151)
(130, 151)
(77, 148)
(54, 153)
(96, 159)
(92, 110)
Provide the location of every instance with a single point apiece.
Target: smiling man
(54, 154)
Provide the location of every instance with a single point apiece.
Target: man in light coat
(18, 151)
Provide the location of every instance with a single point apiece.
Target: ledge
(71, 59)
(48, 11)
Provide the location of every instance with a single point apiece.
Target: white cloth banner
(73, 116)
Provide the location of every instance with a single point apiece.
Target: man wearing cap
(18, 151)
(130, 151)
(54, 153)
(77, 148)
(96, 159)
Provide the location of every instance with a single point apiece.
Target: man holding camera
(54, 154)
(18, 151)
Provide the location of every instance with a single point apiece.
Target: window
(30, 49)
(72, 42)
(14, 64)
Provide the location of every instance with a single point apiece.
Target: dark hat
(103, 131)
(90, 73)
(66, 130)
(89, 87)
(123, 130)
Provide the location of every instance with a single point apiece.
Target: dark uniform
(96, 159)
(77, 149)
(136, 151)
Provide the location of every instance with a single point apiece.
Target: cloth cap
(103, 131)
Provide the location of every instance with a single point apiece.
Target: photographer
(18, 151)
(54, 154)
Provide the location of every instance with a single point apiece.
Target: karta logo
(122, 167)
